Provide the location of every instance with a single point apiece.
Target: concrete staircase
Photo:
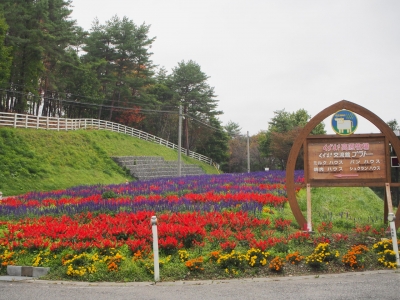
(149, 167)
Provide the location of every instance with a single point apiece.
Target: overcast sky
(263, 55)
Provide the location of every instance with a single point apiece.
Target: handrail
(65, 124)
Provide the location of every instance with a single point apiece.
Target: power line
(205, 124)
(68, 93)
(90, 104)
(142, 110)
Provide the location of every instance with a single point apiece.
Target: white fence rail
(63, 124)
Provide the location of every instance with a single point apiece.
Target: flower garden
(210, 226)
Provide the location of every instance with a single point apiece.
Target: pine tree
(5, 54)
(123, 47)
(192, 91)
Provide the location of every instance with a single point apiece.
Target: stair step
(150, 167)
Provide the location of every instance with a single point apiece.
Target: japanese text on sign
(345, 160)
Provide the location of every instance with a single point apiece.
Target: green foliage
(5, 57)
(126, 69)
(163, 125)
(284, 121)
(343, 206)
(232, 129)
(38, 34)
(344, 224)
(393, 124)
(34, 160)
(191, 90)
(283, 129)
(216, 145)
(17, 159)
(109, 194)
(321, 256)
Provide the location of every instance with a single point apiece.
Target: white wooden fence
(64, 124)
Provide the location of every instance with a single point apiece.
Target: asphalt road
(360, 285)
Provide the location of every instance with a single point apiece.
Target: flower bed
(209, 227)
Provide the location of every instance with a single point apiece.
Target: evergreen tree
(79, 84)
(163, 123)
(58, 36)
(232, 129)
(393, 124)
(39, 33)
(192, 91)
(215, 145)
(24, 36)
(123, 47)
(283, 130)
(5, 55)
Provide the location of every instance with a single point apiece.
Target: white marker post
(309, 223)
(155, 248)
(391, 218)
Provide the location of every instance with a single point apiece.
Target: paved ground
(358, 285)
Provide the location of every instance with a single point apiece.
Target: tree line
(269, 149)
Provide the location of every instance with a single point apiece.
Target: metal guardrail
(64, 124)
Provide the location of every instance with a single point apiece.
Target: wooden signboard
(345, 161)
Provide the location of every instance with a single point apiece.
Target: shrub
(344, 224)
(276, 264)
(79, 265)
(6, 258)
(233, 260)
(109, 194)
(183, 255)
(214, 255)
(353, 258)
(325, 227)
(294, 258)
(195, 264)
(256, 257)
(321, 255)
(387, 257)
(282, 225)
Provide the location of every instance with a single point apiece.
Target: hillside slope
(344, 206)
(39, 160)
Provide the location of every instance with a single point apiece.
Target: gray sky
(264, 55)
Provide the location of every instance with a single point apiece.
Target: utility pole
(179, 140)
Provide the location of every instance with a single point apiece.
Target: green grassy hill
(39, 160)
(345, 207)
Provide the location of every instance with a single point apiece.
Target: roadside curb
(198, 282)
(26, 271)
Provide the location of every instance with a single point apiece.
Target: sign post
(309, 224)
(391, 219)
